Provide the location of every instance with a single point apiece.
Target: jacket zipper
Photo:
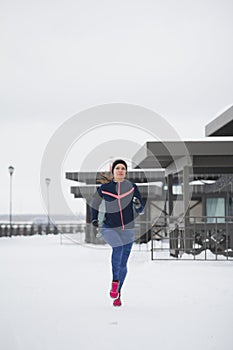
(119, 203)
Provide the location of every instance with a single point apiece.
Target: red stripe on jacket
(118, 196)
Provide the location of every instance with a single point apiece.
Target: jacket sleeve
(140, 208)
(96, 201)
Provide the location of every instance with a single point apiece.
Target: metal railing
(198, 238)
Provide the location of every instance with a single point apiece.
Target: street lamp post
(11, 170)
(47, 181)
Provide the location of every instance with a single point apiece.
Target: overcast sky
(61, 57)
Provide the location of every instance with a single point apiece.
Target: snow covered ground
(55, 297)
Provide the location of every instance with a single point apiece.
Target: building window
(230, 211)
(177, 189)
(215, 207)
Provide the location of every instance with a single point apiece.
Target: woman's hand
(95, 223)
(136, 203)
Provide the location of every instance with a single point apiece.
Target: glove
(97, 232)
(95, 223)
(136, 203)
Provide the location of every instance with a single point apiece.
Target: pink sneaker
(114, 291)
(117, 302)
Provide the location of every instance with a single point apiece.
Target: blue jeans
(121, 242)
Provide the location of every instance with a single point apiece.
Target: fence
(198, 238)
(29, 229)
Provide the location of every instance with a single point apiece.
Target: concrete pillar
(88, 229)
(188, 240)
(170, 194)
(186, 196)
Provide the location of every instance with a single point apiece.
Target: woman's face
(119, 172)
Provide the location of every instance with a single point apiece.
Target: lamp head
(11, 169)
(47, 180)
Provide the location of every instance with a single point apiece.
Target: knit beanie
(118, 161)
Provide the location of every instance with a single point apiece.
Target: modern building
(222, 125)
(187, 187)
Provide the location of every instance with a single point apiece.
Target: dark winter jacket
(119, 198)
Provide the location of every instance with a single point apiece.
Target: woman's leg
(121, 242)
(112, 237)
(128, 239)
(116, 262)
(123, 264)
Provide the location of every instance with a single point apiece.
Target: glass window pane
(215, 207)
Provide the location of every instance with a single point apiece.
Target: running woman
(122, 200)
